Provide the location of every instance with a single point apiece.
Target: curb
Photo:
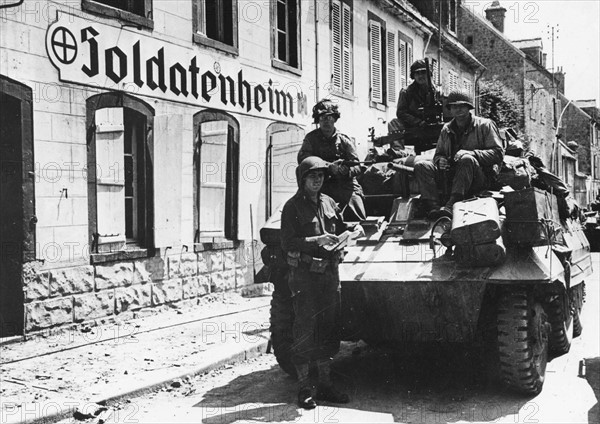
(57, 414)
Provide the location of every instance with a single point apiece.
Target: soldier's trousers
(316, 300)
(466, 178)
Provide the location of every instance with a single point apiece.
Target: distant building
(521, 66)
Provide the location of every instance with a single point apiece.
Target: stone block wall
(76, 294)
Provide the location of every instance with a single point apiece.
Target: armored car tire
(282, 320)
(523, 333)
(561, 323)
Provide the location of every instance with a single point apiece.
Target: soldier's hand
(327, 239)
(344, 170)
(443, 164)
(462, 153)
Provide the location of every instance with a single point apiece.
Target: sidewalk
(50, 376)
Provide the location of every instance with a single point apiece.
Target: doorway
(17, 220)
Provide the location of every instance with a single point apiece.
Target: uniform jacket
(302, 218)
(481, 137)
(410, 100)
(338, 146)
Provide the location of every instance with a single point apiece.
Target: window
(543, 104)
(285, 21)
(341, 42)
(378, 71)
(138, 12)
(405, 58)
(120, 173)
(532, 103)
(452, 81)
(449, 14)
(467, 86)
(215, 24)
(283, 143)
(216, 169)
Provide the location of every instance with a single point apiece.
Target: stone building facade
(520, 66)
(146, 142)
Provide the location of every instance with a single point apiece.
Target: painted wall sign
(90, 53)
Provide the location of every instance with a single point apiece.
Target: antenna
(553, 31)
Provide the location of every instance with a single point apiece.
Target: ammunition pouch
(317, 265)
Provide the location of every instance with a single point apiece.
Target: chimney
(495, 14)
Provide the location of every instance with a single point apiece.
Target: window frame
(275, 61)
(125, 101)
(94, 6)
(346, 73)
(230, 232)
(199, 37)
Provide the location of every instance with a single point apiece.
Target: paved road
(428, 387)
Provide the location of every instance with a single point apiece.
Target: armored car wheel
(522, 341)
(282, 319)
(561, 323)
(577, 294)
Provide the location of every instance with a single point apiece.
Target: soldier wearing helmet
(310, 225)
(469, 149)
(337, 149)
(413, 99)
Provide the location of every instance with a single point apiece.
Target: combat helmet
(418, 65)
(460, 98)
(310, 163)
(325, 107)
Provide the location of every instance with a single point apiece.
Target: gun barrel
(400, 167)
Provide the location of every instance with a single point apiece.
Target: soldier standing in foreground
(310, 223)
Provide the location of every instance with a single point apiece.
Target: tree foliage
(499, 103)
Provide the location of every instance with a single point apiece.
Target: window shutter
(404, 74)
(212, 178)
(347, 49)
(285, 146)
(336, 43)
(110, 179)
(436, 80)
(375, 62)
(409, 50)
(391, 68)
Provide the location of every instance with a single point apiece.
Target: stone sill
(216, 245)
(121, 255)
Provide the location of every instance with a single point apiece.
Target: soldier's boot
(305, 395)
(325, 390)
(446, 210)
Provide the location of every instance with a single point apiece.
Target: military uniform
(344, 189)
(471, 173)
(313, 275)
(410, 100)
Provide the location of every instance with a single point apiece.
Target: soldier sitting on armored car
(469, 153)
